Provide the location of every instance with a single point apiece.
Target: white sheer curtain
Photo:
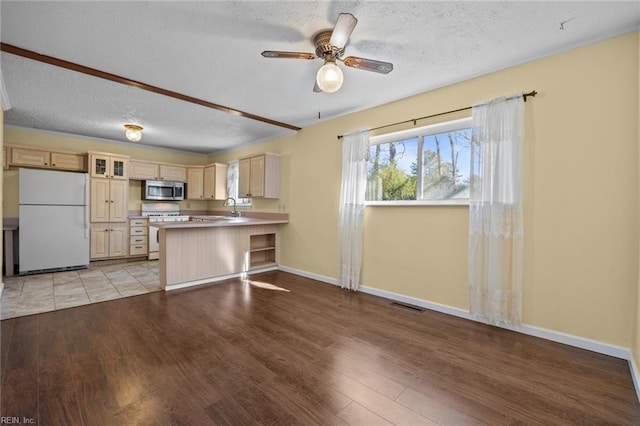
(351, 214)
(232, 185)
(495, 211)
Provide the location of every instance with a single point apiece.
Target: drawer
(137, 249)
(138, 239)
(138, 230)
(138, 222)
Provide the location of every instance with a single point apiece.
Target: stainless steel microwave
(162, 190)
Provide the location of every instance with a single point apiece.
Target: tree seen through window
(444, 161)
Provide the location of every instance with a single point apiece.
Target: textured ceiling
(211, 51)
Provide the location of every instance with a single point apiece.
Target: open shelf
(262, 250)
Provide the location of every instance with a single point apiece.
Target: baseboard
(311, 275)
(445, 309)
(635, 374)
(195, 283)
(571, 340)
(554, 336)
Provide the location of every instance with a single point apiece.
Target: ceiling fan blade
(316, 88)
(368, 64)
(344, 27)
(287, 55)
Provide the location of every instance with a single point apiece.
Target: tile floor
(32, 294)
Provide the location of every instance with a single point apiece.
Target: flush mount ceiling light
(329, 77)
(133, 132)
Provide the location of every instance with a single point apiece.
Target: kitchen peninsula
(214, 248)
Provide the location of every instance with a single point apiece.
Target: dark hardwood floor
(282, 350)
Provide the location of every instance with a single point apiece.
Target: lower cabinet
(109, 240)
(138, 237)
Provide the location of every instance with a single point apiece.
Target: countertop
(227, 222)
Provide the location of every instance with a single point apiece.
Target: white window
(232, 185)
(427, 165)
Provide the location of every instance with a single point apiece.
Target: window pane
(232, 185)
(392, 170)
(446, 161)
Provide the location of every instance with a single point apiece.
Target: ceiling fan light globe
(329, 78)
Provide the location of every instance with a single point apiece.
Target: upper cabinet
(259, 176)
(215, 181)
(207, 182)
(30, 157)
(46, 159)
(174, 173)
(195, 183)
(108, 166)
(145, 170)
(142, 170)
(66, 161)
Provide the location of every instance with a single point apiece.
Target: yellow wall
(636, 325)
(51, 141)
(581, 196)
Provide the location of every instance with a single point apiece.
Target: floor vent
(407, 306)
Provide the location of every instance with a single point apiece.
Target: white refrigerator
(53, 220)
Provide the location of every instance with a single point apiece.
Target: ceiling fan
(330, 45)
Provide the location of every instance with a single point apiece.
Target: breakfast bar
(213, 248)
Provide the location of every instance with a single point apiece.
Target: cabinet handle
(106, 201)
(111, 230)
(54, 164)
(112, 201)
(45, 164)
(106, 230)
(138, 246)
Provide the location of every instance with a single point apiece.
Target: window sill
(417, 203)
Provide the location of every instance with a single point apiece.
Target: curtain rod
(533, 93)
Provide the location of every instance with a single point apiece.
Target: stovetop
(167, 218)
(163, 212)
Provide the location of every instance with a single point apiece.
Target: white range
(160, 212)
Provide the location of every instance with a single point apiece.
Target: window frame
(420, 133)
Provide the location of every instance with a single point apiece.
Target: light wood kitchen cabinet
(142, 170)
(30, 157)
(207, 183)
(195, 183)
(145, 170)
(173, 173)
(5, 157)
(108, 240)
(215, 181)
(138, 237)
(259, 176)
(104, 165)
(67, 161)
(109, 200)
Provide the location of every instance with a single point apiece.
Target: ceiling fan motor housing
(324, 49)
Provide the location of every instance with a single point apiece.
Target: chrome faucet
(234, 211)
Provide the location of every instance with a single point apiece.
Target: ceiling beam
(29, 54)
